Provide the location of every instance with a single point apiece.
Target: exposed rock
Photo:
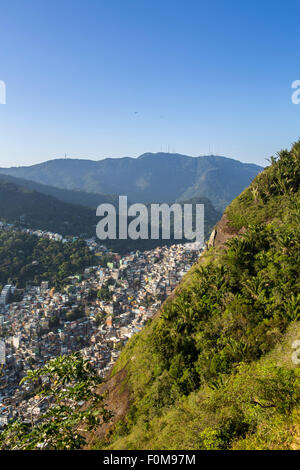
(117, 401)
(223, 232)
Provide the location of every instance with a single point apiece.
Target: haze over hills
(41, 211)
(160, 177)
(20, 203)
(91, 200)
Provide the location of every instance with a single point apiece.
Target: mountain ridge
(22, 204)
(143, 155)
(77, 197)
(149, 178)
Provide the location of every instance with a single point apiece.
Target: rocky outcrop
(222, 232)
(117, 393)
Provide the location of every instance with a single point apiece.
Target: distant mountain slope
(91, 200)
(44, 212)
(19, 204)
(157, 177)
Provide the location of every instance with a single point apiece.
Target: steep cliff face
(214, 369)
(222, 233)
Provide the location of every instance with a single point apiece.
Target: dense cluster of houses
(96, 313)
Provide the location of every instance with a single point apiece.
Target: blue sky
(115, 78)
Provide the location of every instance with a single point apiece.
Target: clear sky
(98, 78)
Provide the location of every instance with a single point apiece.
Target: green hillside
(27, 258)
(213, 370)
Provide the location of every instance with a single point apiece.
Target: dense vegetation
(27, 258)
(64, 383)
(214, 370)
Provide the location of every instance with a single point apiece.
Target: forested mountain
(32, 209)
(40, 211)
(160, 177)
(213, 369)
(91, 200)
